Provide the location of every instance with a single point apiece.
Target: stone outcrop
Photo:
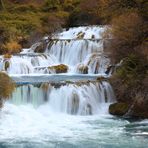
(119, 108)
(83, 69)
(59, 68)
(136, 109)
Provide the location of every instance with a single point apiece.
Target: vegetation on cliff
(129, 32)
(6, 87)
(23, 22)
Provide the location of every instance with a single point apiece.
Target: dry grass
(12, 47)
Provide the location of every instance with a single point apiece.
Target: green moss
(119, 108)
(59, 68)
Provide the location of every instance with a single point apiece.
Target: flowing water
(68, 110)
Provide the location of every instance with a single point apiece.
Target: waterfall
(74, 51)
(77, 52)
(79, 99)
(63, 92)
(77, 48)
(27, 64)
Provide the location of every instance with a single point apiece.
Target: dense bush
(6, 87)
(129, 44)
(26, 21)
(129, 33)
(86, 13)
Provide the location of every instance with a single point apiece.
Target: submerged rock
(75, 103)
(7, 65)
(110, 69)
(83, 69)
(39, 47)
(89, 109)
(119, 108)
(59, 68)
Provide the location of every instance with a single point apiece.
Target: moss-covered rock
(59, 68)
(134, 109)
(7, 65)
(80, 35)
(119, 109)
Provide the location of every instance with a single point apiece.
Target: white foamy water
(24, 126)
(78, 99)
(87, 31)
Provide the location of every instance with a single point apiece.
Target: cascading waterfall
(74, 51)
(49, 109)
(79, 51)
(81, 99)
(75, 47)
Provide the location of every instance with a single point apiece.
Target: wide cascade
(80, 98)
(79, 49)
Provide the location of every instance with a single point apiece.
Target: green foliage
(114, 8)
(51, 5)
(23, 21)
(133, 70)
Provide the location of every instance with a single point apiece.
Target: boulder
(39, 47)
(83, 69)
(59, 68)
(80, 35)
(119, 108)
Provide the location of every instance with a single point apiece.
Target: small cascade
(76, 99)
(27, 64)
(72, 52)
(75, 52)
(82, 32)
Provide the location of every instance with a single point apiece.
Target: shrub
(129, 44)
(12, 47)
(128, 32)
(86, 13)
(51, 23)
(6, 87)
(7, 56)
